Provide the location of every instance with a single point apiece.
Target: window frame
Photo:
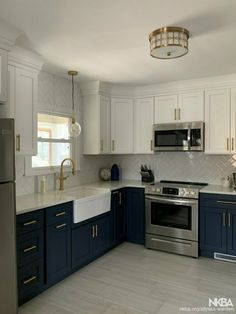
(31, 171)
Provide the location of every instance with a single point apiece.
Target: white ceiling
(108, 39)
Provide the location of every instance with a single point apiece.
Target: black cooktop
(185, 182)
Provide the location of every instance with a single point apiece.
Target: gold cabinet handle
(28, 223)
(96, 230)
(151, 146)
(113, 145)
(175, 114)
(120, 198)
(60, 214)
(229, 220)
(232, 144)
(18, 142)
(101, 145)
(31, 248)
(227, 143)
(93, 232)
(223, 219)
(179, 117)
(60, 226)
(30, 280)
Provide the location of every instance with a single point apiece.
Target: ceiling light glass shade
(74, 128)
(169, 42)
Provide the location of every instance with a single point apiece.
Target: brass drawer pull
(227, 143)
(120, 198)
(32, 222)
(96, 230)
(60, 214)
(93, 232)
(101, 145)
(232, 144)
(179, 118)
(175, 114)
(28, 249)
(30, 280)
(151, 146)
(113, 145)
(18, 142)
(226, 202)
(61, 226)
(229, 220)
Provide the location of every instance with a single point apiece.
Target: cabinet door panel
(135, 215)
(217, 121)
(102, 236)
(233, 120)
(81, 245)
(166, 109)
(143, 122)
(25, 115)
(122, 125)
(58, 251)
(191, 107)
(213, 229)
(105, 125)
(231, 222)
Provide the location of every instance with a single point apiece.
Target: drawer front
(59, 213)
(218, 201)
(30, 247)
(30, 280)
(29, 222)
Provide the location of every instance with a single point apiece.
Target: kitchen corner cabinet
(96, 124)
(90, 240)
(118, 216)
(143, 122)
(3, 75)
(135, 211)
(122, 123)
(217, 224)
(185, 107)
(23, 93)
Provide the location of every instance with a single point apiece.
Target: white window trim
(30, 171)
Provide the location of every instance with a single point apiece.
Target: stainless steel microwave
(188, 136)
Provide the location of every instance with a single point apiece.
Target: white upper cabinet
(217, 121)
(184, 107)
(96, 124)
(143, 122)
(122, 126)
(233, 121)
(191, 107)
(166, 109)
(23, 91)
(3, 75)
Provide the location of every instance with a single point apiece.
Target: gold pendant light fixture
(169, 42)
(75, 128)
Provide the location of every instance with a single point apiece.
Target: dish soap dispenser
(115, 173)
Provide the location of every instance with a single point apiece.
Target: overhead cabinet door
(121, 126)
(217, 121)
(166, 109)
(191, 107)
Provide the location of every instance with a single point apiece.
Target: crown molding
(8, 35)
(95, 88)
(24, 58)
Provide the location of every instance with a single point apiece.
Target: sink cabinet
(90, 239)
(217, 224)
(118, 216)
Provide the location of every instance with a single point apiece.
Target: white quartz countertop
(31, 202)
(218, 189)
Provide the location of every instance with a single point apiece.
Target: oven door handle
(171, 201)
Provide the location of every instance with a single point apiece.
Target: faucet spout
(61, 177)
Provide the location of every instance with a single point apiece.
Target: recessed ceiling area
(107, 40)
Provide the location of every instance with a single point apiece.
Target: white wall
(179, 166)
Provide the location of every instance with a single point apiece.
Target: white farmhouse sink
(89, 202)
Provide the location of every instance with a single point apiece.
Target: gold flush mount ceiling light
(169, 42)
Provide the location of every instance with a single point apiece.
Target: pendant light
(75, 128)
(169, 42)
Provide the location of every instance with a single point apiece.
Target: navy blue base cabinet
(90, 239)
(118, 219)
(135, 211)
(217, 224)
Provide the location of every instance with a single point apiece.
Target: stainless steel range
(172, 217)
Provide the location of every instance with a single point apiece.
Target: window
(53, 140)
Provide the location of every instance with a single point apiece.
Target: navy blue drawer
(59, 213)
(30, 247)
(29, 222)
(30, 280)
(218, 201)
